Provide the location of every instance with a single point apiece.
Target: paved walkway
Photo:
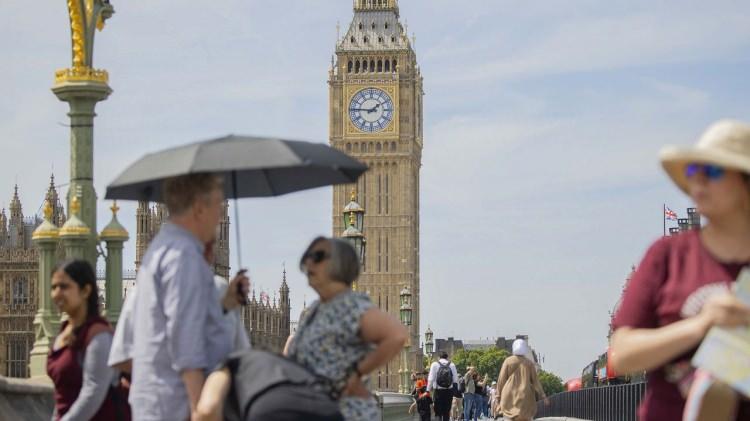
(558, 419)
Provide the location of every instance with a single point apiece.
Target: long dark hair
(81, 272)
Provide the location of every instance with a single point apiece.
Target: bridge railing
(605, 403)
(395, 406)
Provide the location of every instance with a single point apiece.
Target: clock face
(371, 110)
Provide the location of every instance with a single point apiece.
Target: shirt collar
(177, 230)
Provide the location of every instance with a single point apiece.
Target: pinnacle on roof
(15, 202)
(284, 285)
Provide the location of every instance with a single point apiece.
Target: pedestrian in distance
(471, 403)
(178, 331)
(85, 387)
(457, 407)
(442, 381)
(518, 386)
(423, 403)
(683, 285)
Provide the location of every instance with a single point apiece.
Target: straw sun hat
(725, 143)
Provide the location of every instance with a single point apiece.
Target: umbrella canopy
(262, 167)
(251, 167)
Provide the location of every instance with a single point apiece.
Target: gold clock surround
(351, 131)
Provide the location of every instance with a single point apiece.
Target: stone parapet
(24, 399)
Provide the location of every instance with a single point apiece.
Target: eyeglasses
(316, 256)
(711, 172)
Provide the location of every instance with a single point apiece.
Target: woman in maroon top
(682, 287)
(77, 363)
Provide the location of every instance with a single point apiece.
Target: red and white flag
(669, 214)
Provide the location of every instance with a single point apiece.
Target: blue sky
(540, 183)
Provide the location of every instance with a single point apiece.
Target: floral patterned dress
(327, 342)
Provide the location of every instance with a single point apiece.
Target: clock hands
(369, 110)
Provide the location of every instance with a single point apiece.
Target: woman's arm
(387, 333)
(214, 393)
(635, 350)
(389, 336)
(97, 377)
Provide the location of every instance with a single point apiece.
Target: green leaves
(550, 383)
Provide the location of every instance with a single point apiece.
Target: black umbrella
(251, 167)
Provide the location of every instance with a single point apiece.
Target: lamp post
(354, 221)
(405, 313)
(429, 343)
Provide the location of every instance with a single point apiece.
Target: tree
(491, 361)
(550, 383)
(486, 361)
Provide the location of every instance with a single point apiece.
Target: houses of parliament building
(267, 320)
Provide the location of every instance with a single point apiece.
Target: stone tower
(375, 94)
(149, 219)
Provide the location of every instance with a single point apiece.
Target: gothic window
(372, 65)
(365, 39)
(371, 148)
(373, 25)
(380, 209)
(364, 190)
(380, 40)
(393, 39)
(352, 40)
(17, 351)
(386, 25)
(378, 147)
(349, 67)
(364, 65)
(387, 65)
(360, 26)
(380, 255)
(393, 146)
(386, 201)
(395, 65)
(380, 62)
(356, 67)
(387, 254)
(20, 292)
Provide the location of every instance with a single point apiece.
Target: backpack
(461, 385)
(444, 375)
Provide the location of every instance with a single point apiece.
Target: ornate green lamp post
(114, 235)
(46, 322)
(354, 221)
(429, 343)
(82, 86)
(405, 313)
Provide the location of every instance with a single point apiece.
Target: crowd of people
(173, 353)
(472, 396)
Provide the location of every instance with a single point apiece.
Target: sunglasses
(316, 256)
(711, 172)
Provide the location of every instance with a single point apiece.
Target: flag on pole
(669, 214)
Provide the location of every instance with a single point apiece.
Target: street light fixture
(428, 343)
(354, 221)
(405, 313)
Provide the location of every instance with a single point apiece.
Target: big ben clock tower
(375, 90)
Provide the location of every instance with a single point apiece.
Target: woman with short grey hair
(343, 336)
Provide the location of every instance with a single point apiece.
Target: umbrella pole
(237, 221)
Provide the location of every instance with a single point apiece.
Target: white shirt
(432, 378)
